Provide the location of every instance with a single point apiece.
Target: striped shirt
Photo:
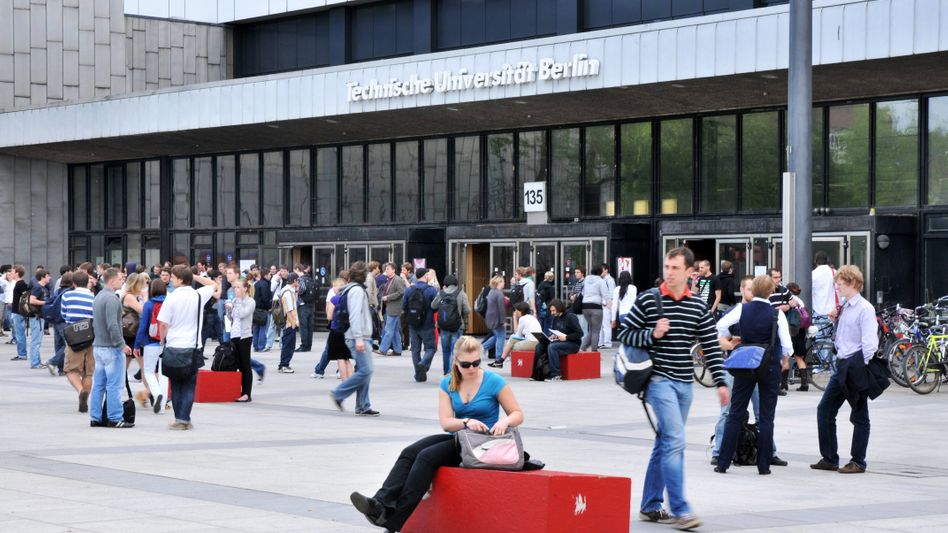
(76, 305)
(689, 320)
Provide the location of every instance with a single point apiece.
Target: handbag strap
(197, 336)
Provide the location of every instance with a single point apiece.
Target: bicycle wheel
(895, 356)
(702, 374)
(821, 362)
(920, 372)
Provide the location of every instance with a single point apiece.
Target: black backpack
(309, 293)
(746, 453)
(541, 364)
(449, 317)
(480, 304)
(225, 359)
(416, 308)
(340, 313)
(516, 294)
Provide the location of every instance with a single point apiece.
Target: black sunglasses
(469, 364)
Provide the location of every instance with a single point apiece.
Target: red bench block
(217, 386)
(521, 364)
(552, 502)
(581, 365)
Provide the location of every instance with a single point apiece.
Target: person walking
(623, 297)
(595, 295)
(78, 304)
(336, 349)
(181, 332)
(825, 297)
(39, 295)
(605, 334)
(392, 293)
(856, 343)
(668, 338)
(288, 300)
(756, 320)
(453, 309)
(109, 350)
(336, 340)
(495, 317)
(546, 292)
(240, 312)
(306, 305)
(148, 346)
(421, 326)
(263, 301)
(358, 337)
(57, 362)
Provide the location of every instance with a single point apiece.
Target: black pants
(769, 382)
(242, 347)
(306, 327)
(833, 398)
(411, 476)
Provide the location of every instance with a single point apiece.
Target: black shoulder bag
(183, 363)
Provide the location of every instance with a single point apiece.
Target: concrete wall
(33, 202)
(61, 50)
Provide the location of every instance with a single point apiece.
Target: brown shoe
(852, 468)
(823, 464)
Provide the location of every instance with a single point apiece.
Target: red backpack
(153, 323)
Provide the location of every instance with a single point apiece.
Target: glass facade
(327, 186)
(760, 163)
(467, 178)
(565, 173)
(677, 166)
(937, 151)
(406, 180)
(462, 23)
(501, 181)
(273, 189)
(280, 45)
(635, 191)
(352, 197)
(435, 198)
(896, 153)
(249, 190)
(203, 192)
(599, 185)
(379, 186)
(300, 208)
(848, 183)
(381, 29)
(719, 164)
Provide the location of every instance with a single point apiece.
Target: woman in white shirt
(623, 297)
(240, 312)
(522, 340)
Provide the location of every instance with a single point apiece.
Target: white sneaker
(286, 370)
(556, 378)
(314, 375)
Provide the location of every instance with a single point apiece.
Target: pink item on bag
(499, 452)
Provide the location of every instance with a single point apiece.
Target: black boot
(804, 383)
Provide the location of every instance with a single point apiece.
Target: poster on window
(623, 264)
(419, 262)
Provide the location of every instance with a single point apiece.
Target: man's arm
(162, 332)
(868, 332)
(717, 300)
(712, 351)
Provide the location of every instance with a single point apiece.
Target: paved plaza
(288, 461)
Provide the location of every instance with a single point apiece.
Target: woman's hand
(500, 427)
(477, 425)
(137, 352)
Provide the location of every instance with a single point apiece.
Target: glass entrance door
(735, 251)
(356, 252)
(323, 261)
(502, 259)
(572, 255)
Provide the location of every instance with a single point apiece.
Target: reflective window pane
(938, 151)
(380, 183)
(467, 178)
(249, 190)
(817, 131)
(849, 156)
(636, 157)
(406, 181)
(760, 162)
(435, 181)
(677, 166)
(115, 195)
(564, 174)
(600, 184)
(299, 198)
(353, 186)
(501, 185)
(531, 162)
(181, 193)
(152, 194)
(133, 194)
(327, 186)
(79, 198)
(96, 195)
(471, 22)
(203, 192)
(719, 164)
(226, 191)
(896, 156)
(273, 189)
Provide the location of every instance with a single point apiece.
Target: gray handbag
(483, 450)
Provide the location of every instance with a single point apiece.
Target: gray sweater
(496, 310)
(595, 291)
(360, 319)
(107, 320)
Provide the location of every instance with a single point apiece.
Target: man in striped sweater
(79, 367)
(669, 338)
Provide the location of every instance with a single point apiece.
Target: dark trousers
(182, 397)
(422, 336)
(411, 476)
(769, 382)
(833, 399)
(212, 328)
(242, 347)
(403, 324)
(320, 367)
(287, 345)
(306, 327)
(59, 342)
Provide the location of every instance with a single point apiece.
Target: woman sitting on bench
(470, 398)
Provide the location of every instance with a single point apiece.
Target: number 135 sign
(534, 197)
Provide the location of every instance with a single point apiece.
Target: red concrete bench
(580, 365)
(543, 500)
(217, 386)
(521, 364)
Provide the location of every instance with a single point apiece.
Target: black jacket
(261, 295)
(859, 378)
(546, 292)
(728, 288)
(568, 324)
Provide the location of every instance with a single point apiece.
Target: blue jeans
(59, 341)
(391, 335)
(320, 367)
(260, 336)
(833, 399)
(555, 351)
(496, 340)
(223, 335)
(358, 382)
(670, 400)
(19, 335)
(271, 333)
(36, 338)
(107, 383)
(767, 381)
(287, 346)
(424, 335)
(257, 366)
(448, 340)
(306, 327)
(182, 397)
